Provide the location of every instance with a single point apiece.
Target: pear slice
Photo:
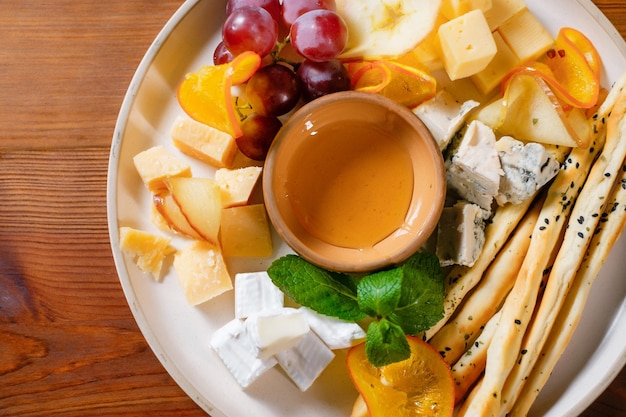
(200, 201)
(170, 211)
(534, 114)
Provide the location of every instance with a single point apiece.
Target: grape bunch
(316, 33)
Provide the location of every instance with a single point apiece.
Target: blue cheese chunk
(461, 234)
(305, 362)
(443, 115)
(474, 169)
(526, 167)
(237, 351)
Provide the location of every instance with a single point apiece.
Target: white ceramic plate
(179, 334)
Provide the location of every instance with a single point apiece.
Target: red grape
(250, 28)
(222, 55)
(321, 78)
(319, 35)
(293, 9)
(273, 90)
(258, 134)
(272, 6)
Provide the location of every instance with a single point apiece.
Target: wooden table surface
(68, 343)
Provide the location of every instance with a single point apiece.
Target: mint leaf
(422, 295)
(316, 288)
(386, 343)
(379, 293)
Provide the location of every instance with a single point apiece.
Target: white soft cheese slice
(334, 332)
(305, 362)
(474, 170)
(273, 331)
(443, 115)
(237, 351)
(527, 168)
(461, 234)
(255, 292)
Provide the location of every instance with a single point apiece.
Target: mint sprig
(405, 300)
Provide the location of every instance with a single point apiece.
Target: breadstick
(609, 231)
(519, 305)
(464, 327)
(582, 222)
(467, 370)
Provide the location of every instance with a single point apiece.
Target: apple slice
(534, 114)
(200, 201)
(170, 211)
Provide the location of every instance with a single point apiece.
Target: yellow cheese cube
(237, 185)
(202, 272)
(147, 250)
(501, 64)
(455, 8)
(467, 45)
(204, 142)
(503, 10)
(157, 163)
(526, 36)
(245, 232)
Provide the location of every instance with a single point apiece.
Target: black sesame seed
(581, 220)
(517, 321)
(581, 235)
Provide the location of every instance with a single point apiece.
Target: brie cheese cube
(305, 362)
(273, 331)
(238, 353)
(474, 170)
(527, 168)
(334, 332)
(255, 292)
(443, 115)
(461, 234)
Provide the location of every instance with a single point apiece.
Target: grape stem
(277, 51)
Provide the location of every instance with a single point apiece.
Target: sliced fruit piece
(205, 95)
(405, 82)
(147, 250)
(200, 201)
(533, 113)
(170, 211)
(575, 79)
(419, 386)
(386, 29)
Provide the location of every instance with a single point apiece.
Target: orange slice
(421, 385)
(575, 67)
(205, 95)
(402, 82)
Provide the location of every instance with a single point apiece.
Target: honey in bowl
(354, 182)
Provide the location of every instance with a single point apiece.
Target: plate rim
(612, 370)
